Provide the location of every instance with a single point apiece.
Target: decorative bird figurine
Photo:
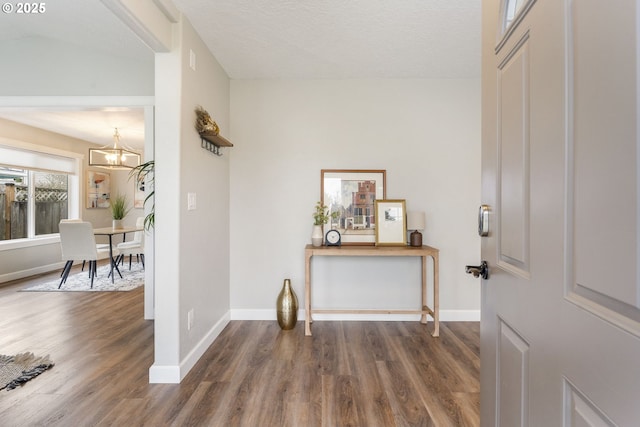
(204, 122)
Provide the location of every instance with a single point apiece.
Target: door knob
(481, 270)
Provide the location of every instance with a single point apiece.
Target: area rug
(81, 281)
(17, 370)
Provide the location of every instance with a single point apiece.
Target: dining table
(110, 231)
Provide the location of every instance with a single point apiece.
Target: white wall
(191, 246)
(424, 133)
(44, 67)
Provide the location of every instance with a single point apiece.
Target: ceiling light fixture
(115, 158)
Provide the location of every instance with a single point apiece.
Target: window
(37, 190)
(25, 194)
(511, 10)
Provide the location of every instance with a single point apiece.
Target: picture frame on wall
(138, 192)
(98, 189)
(391, 223)
(351, 194)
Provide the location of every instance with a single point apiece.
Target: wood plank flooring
(347, 374)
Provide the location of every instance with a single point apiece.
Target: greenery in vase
(144, 173)
(119, 207)
(321, 215)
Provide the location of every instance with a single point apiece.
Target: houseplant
(119, 209)
(144, 173)
(320, 217)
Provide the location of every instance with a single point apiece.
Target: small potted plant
(320, 217)
(119, 209)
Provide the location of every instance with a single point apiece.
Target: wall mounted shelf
(212, 142)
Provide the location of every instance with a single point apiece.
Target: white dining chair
(78, 243)
(133, 247)
(98, 245)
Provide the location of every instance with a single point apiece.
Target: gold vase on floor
(287, 306)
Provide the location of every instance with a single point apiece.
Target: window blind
(27, 159)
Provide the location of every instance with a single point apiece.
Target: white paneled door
(560, 337)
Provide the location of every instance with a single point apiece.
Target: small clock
(333, 238)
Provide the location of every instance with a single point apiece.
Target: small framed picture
(391, 223)
(98, 189)
(138, 193)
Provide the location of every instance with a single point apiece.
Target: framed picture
(391, 223)
(98, 189)
(138, 193)
(350, 195)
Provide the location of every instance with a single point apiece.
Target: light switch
(192, 59)
(191, 201)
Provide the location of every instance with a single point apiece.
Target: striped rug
(17, 370)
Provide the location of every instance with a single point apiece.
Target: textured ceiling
(256, 39)
(267, 39)
(95, 125)
(86, 23)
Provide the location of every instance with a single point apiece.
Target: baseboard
(258, 314)
(197, 352)
(445, 316)
(15, 275)
(164, 374)
(460, 315)
(173, 374)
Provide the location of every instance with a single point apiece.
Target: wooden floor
(347, 374)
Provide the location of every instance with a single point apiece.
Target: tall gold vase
(287, 306)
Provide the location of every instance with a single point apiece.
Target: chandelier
(115, 158)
